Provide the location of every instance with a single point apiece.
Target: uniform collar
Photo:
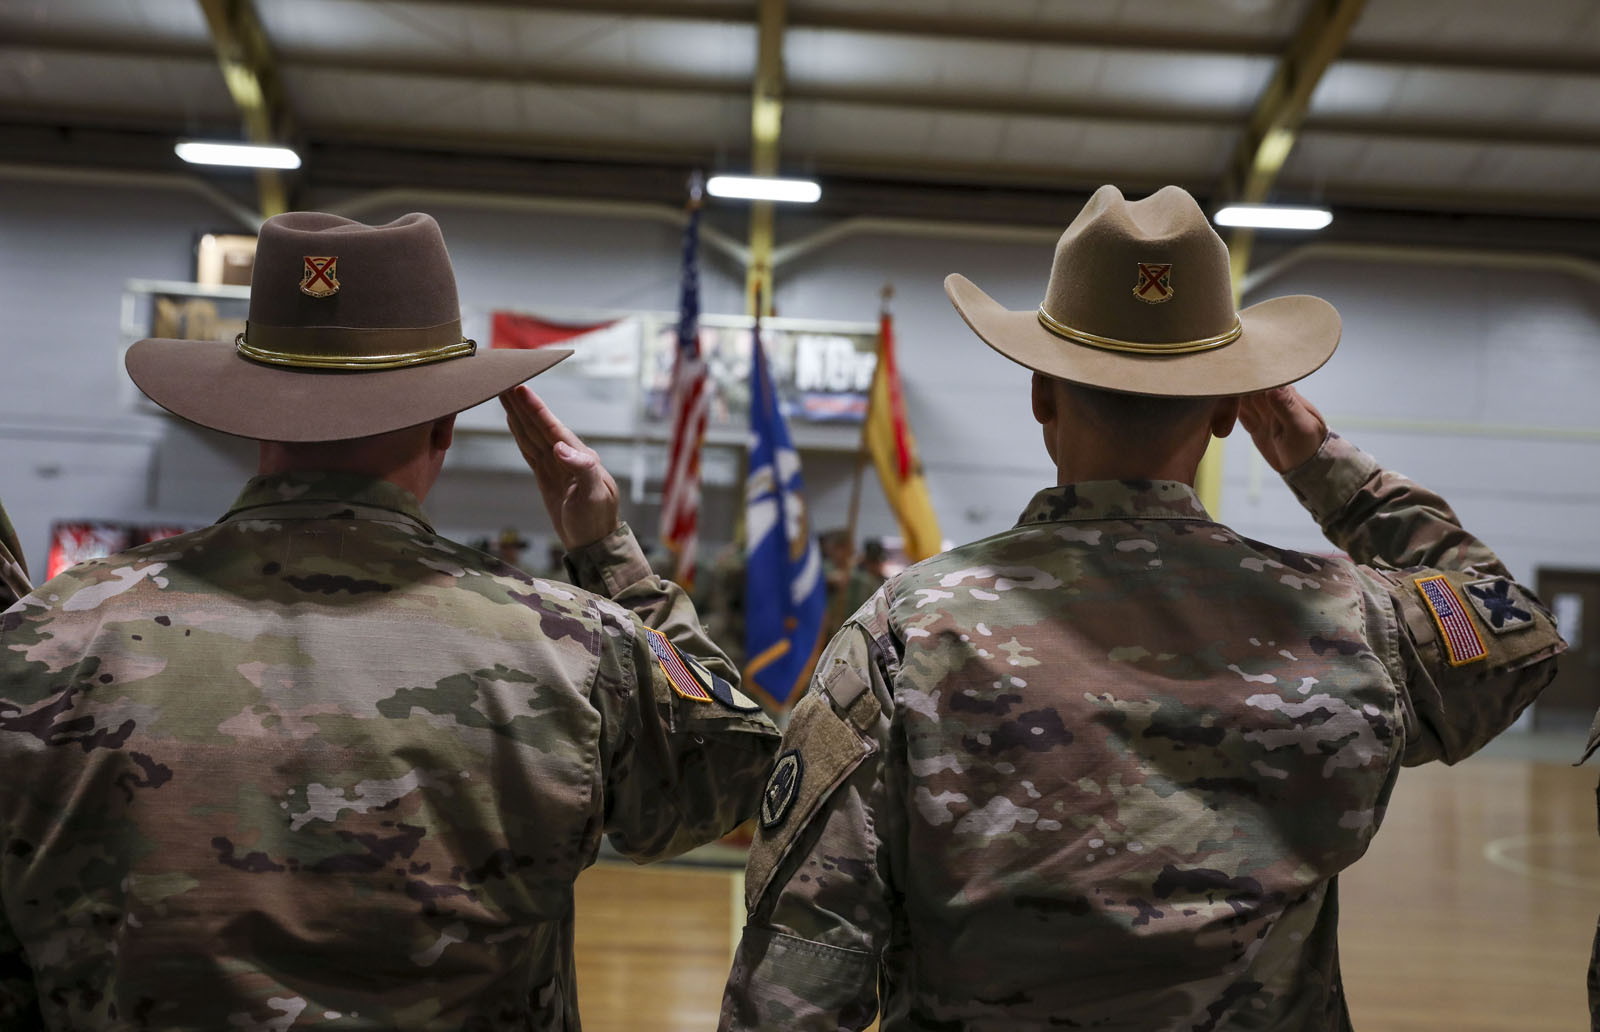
(323, 495)
(1115, 500)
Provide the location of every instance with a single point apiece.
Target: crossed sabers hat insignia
(1154, 276)
(321, 276)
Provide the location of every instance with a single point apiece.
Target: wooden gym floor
(1473, 911)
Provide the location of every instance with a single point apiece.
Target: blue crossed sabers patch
(1501, 609)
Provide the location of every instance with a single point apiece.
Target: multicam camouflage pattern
(1594, 982)
(13, 570)
(1102, 770)
(317, 766)
(1589, 749)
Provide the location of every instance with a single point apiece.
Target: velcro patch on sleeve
(1463, 644)
(678, 675)
(720, 690)
(1500, 604)
(820, 749)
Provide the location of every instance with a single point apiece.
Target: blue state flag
(784, 587)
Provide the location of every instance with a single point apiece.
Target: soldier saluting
(317, 763)
(1102, 770)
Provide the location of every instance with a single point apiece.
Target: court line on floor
(1496, 852)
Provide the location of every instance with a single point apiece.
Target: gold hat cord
(1177, 347)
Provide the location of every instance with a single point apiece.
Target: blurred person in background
(868, 575)
(838, 563)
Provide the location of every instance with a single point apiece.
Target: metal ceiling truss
(914, 23)
(251, 73)
(1263, 148)
(342, 158)
(998, 105)
(374, 154)
(766, 125)
(1273, 128)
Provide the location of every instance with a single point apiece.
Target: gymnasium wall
(1478, 381)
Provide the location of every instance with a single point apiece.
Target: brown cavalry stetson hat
(1139, 301)
(354, 330)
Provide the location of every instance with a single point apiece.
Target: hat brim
(209, 383)
(1284, 340)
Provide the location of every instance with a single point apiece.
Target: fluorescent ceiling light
(764, 188)
(1273, 216)
(241, 155)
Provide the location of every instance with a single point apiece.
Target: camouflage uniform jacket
(318, 766)
(1101, 770)
(1589, 749)
(13, 570)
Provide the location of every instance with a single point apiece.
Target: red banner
(526, 332)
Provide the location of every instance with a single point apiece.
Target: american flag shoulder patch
(1462, 642)
(672, 664)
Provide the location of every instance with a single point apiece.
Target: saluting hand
(579, 495)
(1286, 427)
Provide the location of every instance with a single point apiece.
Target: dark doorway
(1572, 698)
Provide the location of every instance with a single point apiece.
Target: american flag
(683, 682)
(1461, 638)
(689, 400)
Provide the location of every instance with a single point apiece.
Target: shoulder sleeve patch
(725, 693)
(683, 682)
(1461, 640)
(782, 788)
(824, 749)
(1501, 604)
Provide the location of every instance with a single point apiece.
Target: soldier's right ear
(1044, 399)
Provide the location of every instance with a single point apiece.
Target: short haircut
(1139, 415)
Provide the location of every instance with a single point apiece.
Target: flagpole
(863, 452)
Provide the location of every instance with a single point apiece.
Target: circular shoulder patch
(783, 787)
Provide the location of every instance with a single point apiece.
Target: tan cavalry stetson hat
(353, 330)
(1139, 301)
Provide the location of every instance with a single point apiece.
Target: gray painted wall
(1477, 381)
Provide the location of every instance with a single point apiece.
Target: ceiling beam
(458, 149)
(98, 44)
(766, 126)
(1471, 59)
(1269, 134)
(1448, 131)
(1259, 155)
(1030, 105)
(1274, 125)
(736, 12)
(1464, 215)
(974, 29)
(1498, 61)
(251, 73)
(1456, 131)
